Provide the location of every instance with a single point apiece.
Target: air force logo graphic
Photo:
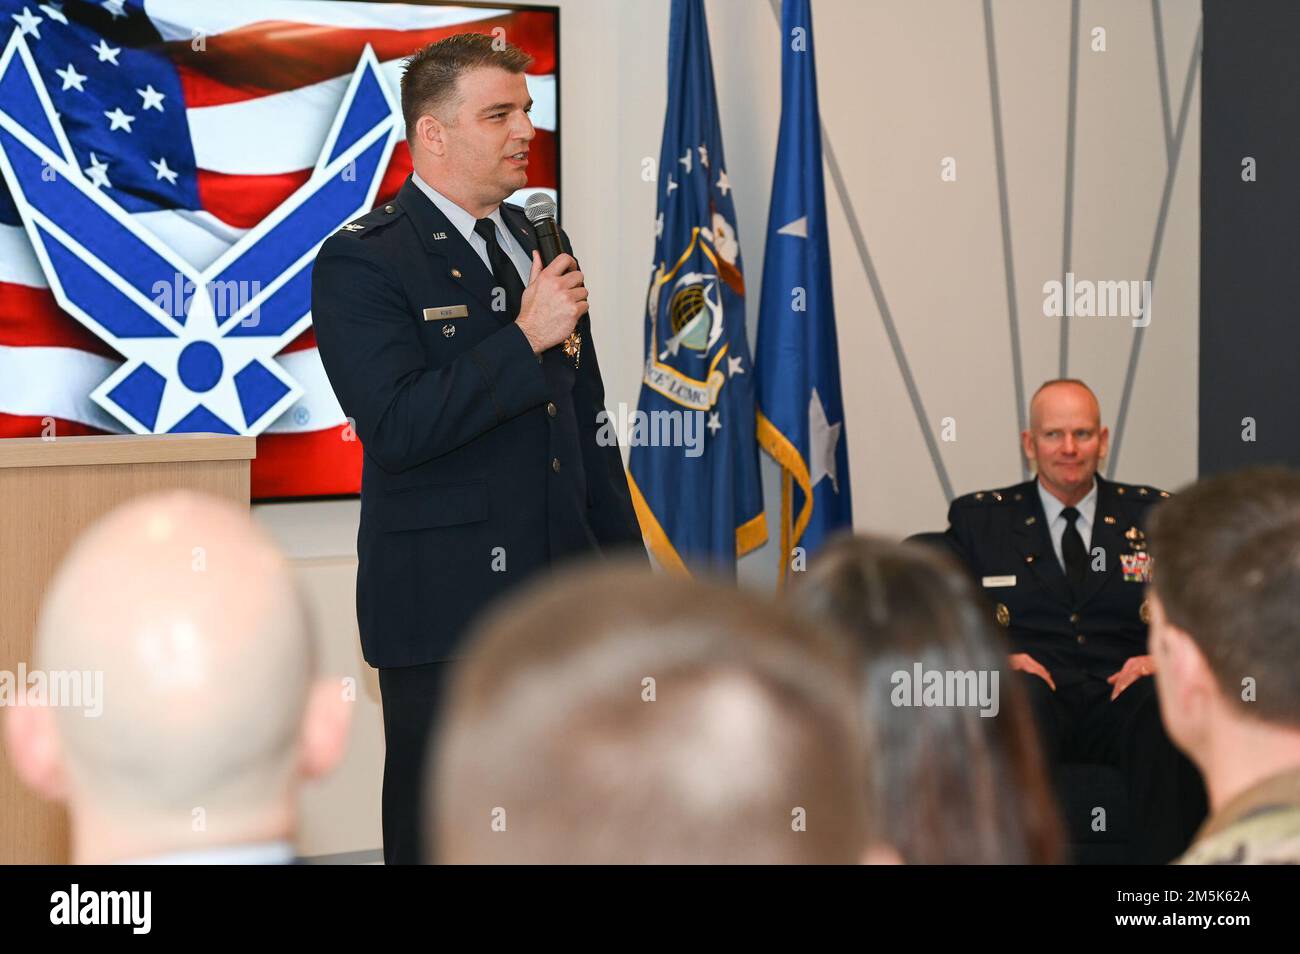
(199, 343)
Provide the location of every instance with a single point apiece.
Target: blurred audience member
(616, 716)
(210, 717)
(1225, 633)
(956, 773)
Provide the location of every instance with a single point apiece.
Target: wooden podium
(50, 490)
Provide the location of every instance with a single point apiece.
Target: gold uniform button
(550, 408)
(1079, 638)
(389, 209)
(1030, 558)
(555, 464)
(1003, 615)
(1144, 611)
(455, 273)
(1074, 617)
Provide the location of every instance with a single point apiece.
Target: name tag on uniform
(991, 581)
(445, 312)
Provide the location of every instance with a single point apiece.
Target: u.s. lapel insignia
(439, 236)
(1136, 567)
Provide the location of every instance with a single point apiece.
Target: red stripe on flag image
(20, 425)
(303, 342)
(272, 56)
(399, 167)
(31, 318)
(311, 464)
(543, 161)
(243, 201)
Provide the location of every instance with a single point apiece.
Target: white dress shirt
(463, 223)
(254, 853)
(1056, 523)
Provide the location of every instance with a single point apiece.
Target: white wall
(903, 83)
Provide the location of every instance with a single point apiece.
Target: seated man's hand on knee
(1027, 663)
(1135, 667)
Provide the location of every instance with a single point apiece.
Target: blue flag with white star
(697, 493)
(800, 409)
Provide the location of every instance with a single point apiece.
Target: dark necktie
(1076, 558)
(503, 269)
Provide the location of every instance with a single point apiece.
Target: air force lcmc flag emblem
(199, 343)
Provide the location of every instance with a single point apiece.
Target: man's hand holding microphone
(553, 302)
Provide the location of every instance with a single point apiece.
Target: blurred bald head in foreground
(616, 716)
(210, 713)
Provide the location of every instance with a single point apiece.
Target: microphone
(540, 209)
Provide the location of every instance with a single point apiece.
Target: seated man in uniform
(1063, 559)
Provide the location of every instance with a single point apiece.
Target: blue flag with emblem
(800, 409)
(694, 458)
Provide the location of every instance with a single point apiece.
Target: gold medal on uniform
(573, 347)
(1137, 540)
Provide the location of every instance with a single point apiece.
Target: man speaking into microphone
(470, 376)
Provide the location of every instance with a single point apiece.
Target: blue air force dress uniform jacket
(1003, 538)
(481, 463)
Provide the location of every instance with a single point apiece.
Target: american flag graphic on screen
(168, 169)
